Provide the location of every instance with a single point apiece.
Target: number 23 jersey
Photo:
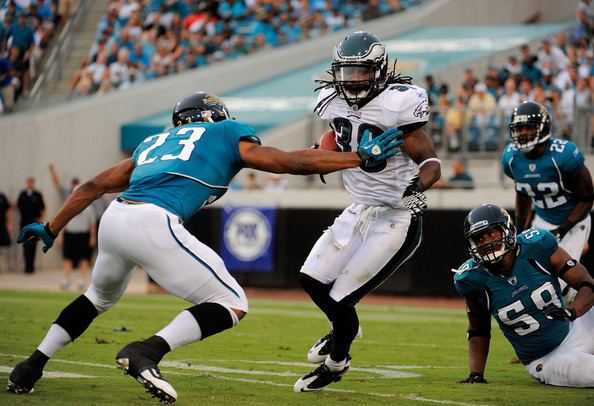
(188, 166)
(516, 300)
(403, 106)
(545, 179)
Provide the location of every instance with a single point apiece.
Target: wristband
(48, 231)
(586, 284)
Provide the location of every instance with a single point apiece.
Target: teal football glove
(381, 147)
(37, 231)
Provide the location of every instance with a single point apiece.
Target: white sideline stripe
(385, 373)
(444, 402)
(413, 397)
(50, 374)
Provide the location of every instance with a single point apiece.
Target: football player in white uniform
(382, 227)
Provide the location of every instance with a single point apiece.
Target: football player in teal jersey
(515, 279)
(553, 186)
(169, 178)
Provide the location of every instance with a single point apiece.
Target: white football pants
(154, 239)
(572, 362)
(359, 251)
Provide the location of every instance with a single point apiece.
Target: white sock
(335, 365)
(182, 330)
(55, 339)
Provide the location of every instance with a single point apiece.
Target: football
(328, 141)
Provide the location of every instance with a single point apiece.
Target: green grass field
(407, 356)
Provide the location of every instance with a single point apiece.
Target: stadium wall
(427, 273)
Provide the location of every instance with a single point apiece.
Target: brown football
(328, 141)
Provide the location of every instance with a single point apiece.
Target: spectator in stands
(551, 57)
(22, 43)
(432, 90)
(460, 179)
(454, 122)
(7, 88)
(483, 126)
(530, 71)
(97, 69)
(509, 99)
(525, 89)
(252, 182)
(584, 28)
(567, 79)
(513, 67)
(119, 75)
(469, 80)
(32, 210)
(275, 183)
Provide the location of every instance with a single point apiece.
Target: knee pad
(77, 316)
(213, 318)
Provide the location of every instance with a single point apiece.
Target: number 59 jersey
(516, 300)
(545, 179)
(189, 166)
(399, 105)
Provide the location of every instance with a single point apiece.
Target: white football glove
(413, 199)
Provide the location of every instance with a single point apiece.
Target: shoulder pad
(567, 155)
(470, 278)
(239, 128)
(409, 102)
(537, 241)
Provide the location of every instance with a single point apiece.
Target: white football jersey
(398, 105)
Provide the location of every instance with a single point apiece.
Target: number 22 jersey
(545, 179)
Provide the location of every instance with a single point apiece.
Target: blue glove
(37, 231)
(381, 147)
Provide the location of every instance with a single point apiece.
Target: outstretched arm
(310, 161)
(301, 162)
(114, 179)
(55, 177)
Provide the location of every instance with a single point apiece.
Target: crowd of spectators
(559, 75)
(139, 40)
(26, 27)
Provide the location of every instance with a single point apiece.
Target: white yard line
(208, 368)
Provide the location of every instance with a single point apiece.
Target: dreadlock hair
(391, 78)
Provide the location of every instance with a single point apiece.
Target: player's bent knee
(214, 318)
(313, 287)
(239, 313)
(77, 316)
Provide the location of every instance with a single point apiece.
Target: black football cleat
(133, 362)
(22, 378)
(319, 378)
(321, 349)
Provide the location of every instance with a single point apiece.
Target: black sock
(158, 348)
(38, 359)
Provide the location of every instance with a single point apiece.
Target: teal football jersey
(545, 179)
(188, 166)
(516, 300)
